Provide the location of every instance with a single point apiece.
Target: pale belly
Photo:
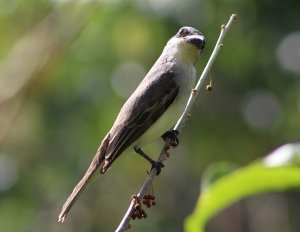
(168, 120)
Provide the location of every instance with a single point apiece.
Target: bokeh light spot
(288, 52)
(261, 110)
(126, 77)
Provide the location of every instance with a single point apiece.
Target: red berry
(145, 202)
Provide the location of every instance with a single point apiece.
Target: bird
(152, 109)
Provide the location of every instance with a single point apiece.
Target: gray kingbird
(152, 109)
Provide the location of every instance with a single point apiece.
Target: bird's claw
(158, 166)
(173, 136)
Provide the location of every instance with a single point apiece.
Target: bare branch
(124, 224)
(219, 45)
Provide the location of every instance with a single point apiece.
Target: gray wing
(150, 100)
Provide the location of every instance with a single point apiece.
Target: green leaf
(215, 171)
(277, 172)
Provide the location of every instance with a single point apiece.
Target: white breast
(185, 76)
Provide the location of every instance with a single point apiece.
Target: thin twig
(180, 123)
(124, 224)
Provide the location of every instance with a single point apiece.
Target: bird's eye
(183, 32)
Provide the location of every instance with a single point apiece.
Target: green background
(66, 68)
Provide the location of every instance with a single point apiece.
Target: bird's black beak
(197, 40)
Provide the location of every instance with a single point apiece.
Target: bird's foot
(173, 136)
(158, 166)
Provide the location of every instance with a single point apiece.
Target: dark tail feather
(95, 164)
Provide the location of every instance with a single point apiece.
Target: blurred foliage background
(67, 67)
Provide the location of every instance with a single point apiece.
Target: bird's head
(192, 36)
(186, 44)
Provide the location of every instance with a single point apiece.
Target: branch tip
(234, 17)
